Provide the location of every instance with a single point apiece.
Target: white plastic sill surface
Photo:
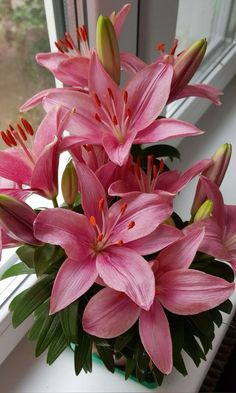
(22, 373)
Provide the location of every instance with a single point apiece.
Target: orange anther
(101, 204)
(123, 208)
(5, 139)
(97, 117)
(27, 126)
(125, 96)
(120, 243)
(22, 132)
(97, 100)
(114, 120)
(161, 46)
(131, 224)
(92, 221)
(99, 237)
(110, 93)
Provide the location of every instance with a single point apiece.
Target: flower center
(20, 138)
(147, 181)
(103, 233)
(108, 115)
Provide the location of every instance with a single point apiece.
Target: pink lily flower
(70, 64)
(118, 118)
(181, 290)
(136, 180)
(103, 242)
(220, 228)
(34, 162)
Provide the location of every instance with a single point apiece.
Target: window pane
(202, 19)
(23, 33)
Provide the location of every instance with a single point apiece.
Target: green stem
(54, 201)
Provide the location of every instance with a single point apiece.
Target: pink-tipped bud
(216, 173)
(69, 184)
(107, 47)
(186, 64)
(204, 211)
(17, 218)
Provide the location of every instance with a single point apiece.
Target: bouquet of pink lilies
(118, 270)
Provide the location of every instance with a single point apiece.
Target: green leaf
(177, 335)
(158, 374)
(88, 364)
(142, 362)
(31, 299)
(57, 346)
(45, 256)
(204, 323)
(106, 355)
(161, 151)
(129, 367)
(17, 300)
(192, 347)
(69, 322)
(215, 268)
(35, 330)
(124, 339)
(216, 316)
(17, 270)
(50, 328)
(26, 255)
(82, 350)
(225, 307)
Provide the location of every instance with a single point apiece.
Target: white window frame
(148, 29)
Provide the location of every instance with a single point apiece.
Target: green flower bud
(69, 184)
(204, 211)
(107, 47)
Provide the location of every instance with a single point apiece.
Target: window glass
(23, 33)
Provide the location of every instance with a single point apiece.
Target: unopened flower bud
(186, 64)
(204, 211)
(69, 184)
(107, 47)
(17, 218)
(216, 173)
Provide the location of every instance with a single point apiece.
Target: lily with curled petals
(103, 242)
(181, 290)
(70, 64)
(153, 180)
(118, 118)
(220, 228)
(34, 162)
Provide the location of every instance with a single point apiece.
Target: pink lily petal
(155, 335)
(82, 121)
(214, 194)
(180, 254)
(68, 229)
(73, 279)
(45, 174)
(212, 242)
(49, 128)
(118, 152)
(37, 98)
(100, 81)
(109, 314)
(124, 186)
(92, 192)
(126, 271)
(74, 71)
(144, 211)
(13, 167)
(201, 90)
(188, 292)
(230, 221)
(144, 99)
(131, 63)
(160, 238)
(119, 18)
(163, 129)
(188, 175)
